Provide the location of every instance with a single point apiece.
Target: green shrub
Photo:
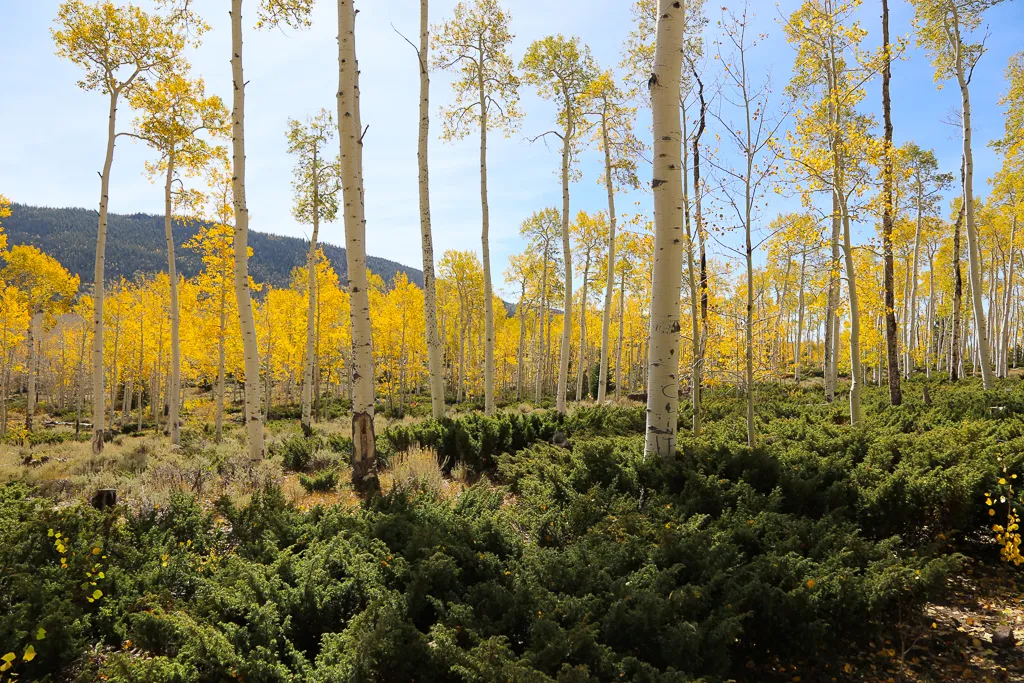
(589, 563)
(296, 452)
(321, 481)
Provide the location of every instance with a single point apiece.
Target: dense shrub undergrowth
(586, 563)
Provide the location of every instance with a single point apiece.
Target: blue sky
(52, 133)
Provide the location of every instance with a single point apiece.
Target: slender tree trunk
(173, 420)
(461, 389)
(911, 322)
(606, 316)
(973, 248)
(98, 393)
(221, 371)
(799, 318)
(891, 338)
(114, 368)
(486, 246)
(666, 275)
(700, 331)
(541, 317)
(436, 378)
(831, 344)
(563, 356)
(142, 352)
(1008, 302)
(311, 305)
(692, 282)
(955, 354)
(930, 319)
(33, 367)
(581, 371)
(520, 310)
(250, 348)
(856, 371)
(621, 335)
(364, 455)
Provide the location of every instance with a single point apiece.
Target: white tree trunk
(250, 349)
(173, 420)
(621, 336)
(434, 365)
(973, 250)
(911, 322)
(666, 275)
(310, 355)
(33, 367)
(1004, 353)
(364, 455)
(541, 318)
(218, 420)
(98, 393)
(581, 370)
(606, 318)
(563, 356)
(486, 246)
(856, 372)
(799, 319)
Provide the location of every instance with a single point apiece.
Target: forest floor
(952, 640)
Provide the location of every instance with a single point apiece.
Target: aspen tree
(891, 341)
(666, 276)
(613, 135)
(542, 230)
(15, 320)
(173, 113)
(927, 183)
(638, 51)
(46, 289)
(436, 371)
(364, 455)
(831, 147)
(316, 184)
(1006, 203)
(956, 322)
(521, 270)
(941, 25)
(753, 135)
(474, 44)
(271, 13)
(589, 235)
(561, 69)
(118, 48)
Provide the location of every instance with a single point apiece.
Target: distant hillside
(135, 244)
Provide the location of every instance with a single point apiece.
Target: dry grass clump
(418, 469)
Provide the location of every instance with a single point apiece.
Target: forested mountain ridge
(135, 244)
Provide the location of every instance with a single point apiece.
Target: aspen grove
(742, 412)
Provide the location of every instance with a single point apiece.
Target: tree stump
(104, 498)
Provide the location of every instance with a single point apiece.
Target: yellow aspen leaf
(30, 653)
